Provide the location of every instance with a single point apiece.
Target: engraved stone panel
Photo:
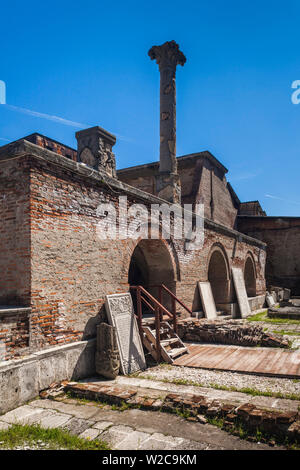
(107, 360)
(207, 299)
(119, 308)
(270, 300)
(240, 289)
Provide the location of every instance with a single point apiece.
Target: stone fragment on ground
(228, 331)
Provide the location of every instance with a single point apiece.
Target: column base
(168, 187)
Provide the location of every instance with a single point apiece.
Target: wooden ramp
(260, 361)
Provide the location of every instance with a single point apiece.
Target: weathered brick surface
(53, 145)
(58, 264)
(238, 332)
(283, 255)
(14, 334)
(14, 233)
(202, 180)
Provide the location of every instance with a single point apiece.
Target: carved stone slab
(119, 308)
(270, 300)
(240, 289)
(207, 300)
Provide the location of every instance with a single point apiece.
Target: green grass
(286, 332)
(55, 438)
(263, 317)
(124, 406)
(247, 390)
(239, 429)
(183, 413)
(254, 392)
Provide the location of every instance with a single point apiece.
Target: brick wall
(14, 333)
(202, 180)
(14, 233)
(282, 235)
(71, 269)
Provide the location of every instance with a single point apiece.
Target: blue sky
(87, 62)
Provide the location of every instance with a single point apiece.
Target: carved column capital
(167, 55)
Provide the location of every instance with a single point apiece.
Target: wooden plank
(215, 356)
(192, 359)
(268, 362)
(226, 356)
(281, 366)
(231, 361)
(249, 360)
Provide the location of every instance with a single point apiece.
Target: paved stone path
(264, 361)
(128, 430)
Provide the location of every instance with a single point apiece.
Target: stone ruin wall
(201, 181)
(68, 271)
(282, 236)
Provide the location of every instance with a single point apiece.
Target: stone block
(107, 359)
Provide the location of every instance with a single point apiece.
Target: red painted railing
(143, 296)
(162, 288)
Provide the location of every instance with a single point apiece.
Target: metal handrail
(176, 298)
(158, 309)
(153, 299)
(162, 286)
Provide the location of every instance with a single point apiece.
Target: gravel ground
(206, 377)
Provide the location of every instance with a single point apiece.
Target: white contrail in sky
(243, 176)
(57, 119)
(281, 199)
(50, 117)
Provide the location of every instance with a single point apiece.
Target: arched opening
(250, 278)
(218, 277)
(151, 265)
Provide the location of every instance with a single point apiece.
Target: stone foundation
(22, 380)
(234, 332)
(195, 407)
(288, 312)
(233, 309)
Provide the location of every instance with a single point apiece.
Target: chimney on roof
(94, 148)
(168, 56)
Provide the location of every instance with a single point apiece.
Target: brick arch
(152, 263)
(250, 275)
(218, 274)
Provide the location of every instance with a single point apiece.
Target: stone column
(168, 56)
